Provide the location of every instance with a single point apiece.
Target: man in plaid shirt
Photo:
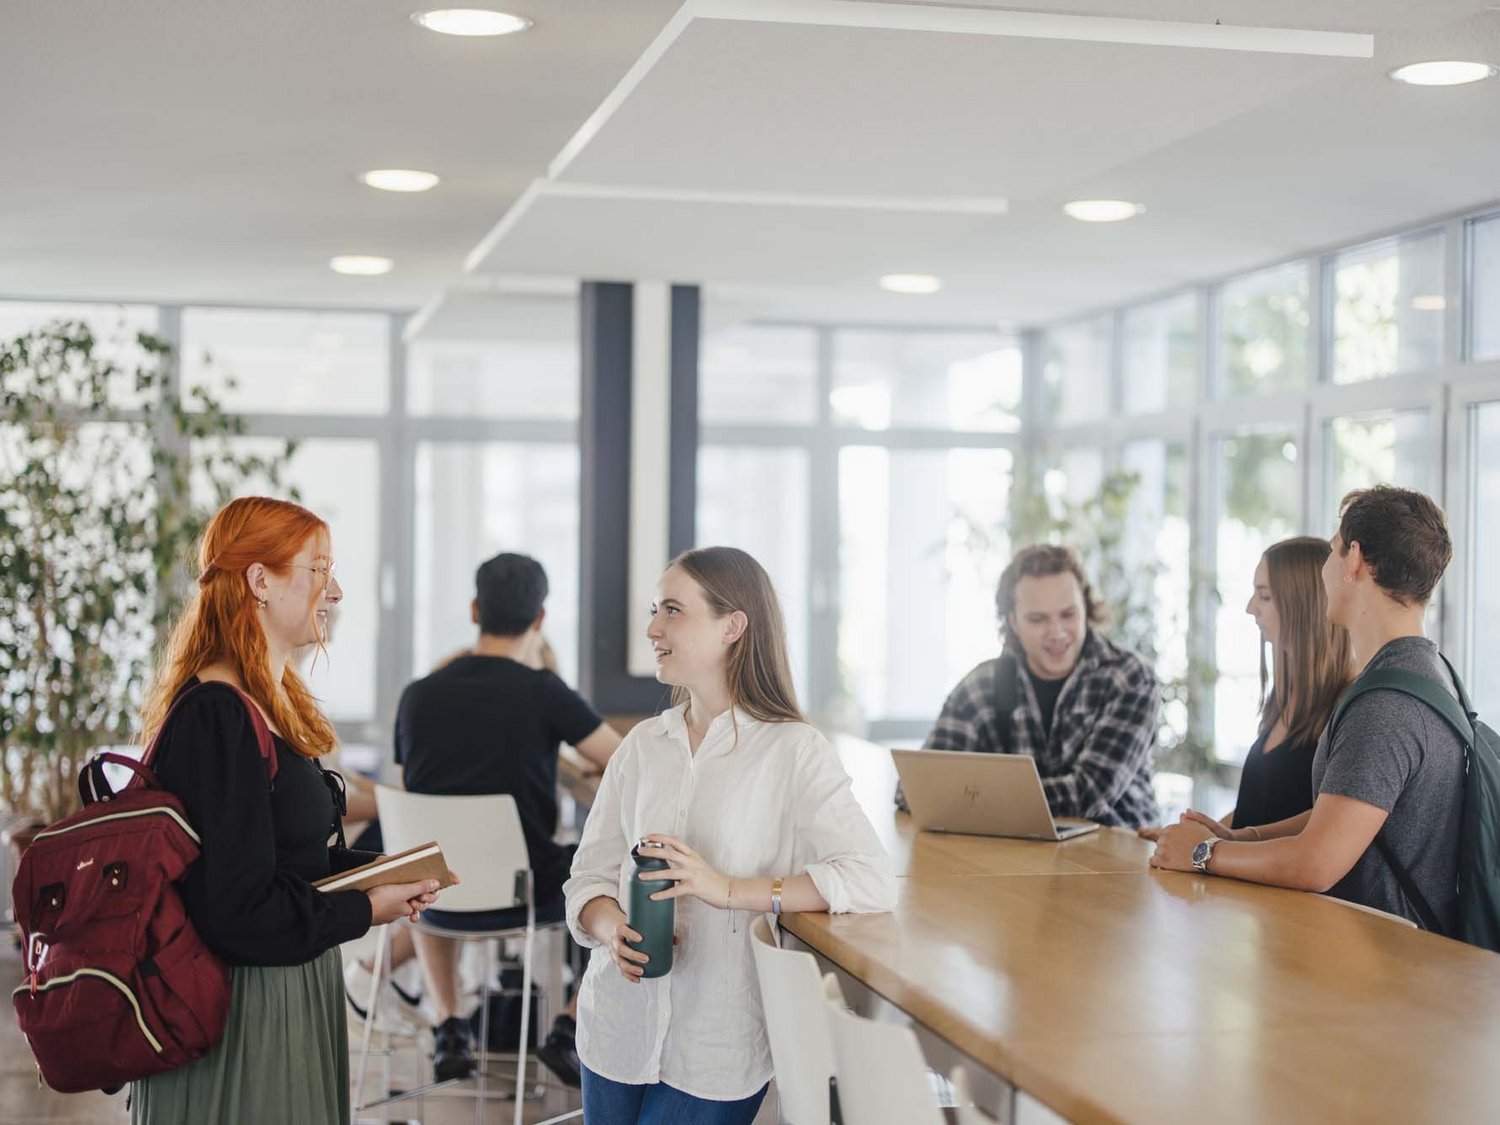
(1084, 708)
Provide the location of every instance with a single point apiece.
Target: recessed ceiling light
(1448, 73)
(470, 21)
(1429, 302)
(910, 283)
(399, 179)
(360, 265)
(1102, 210)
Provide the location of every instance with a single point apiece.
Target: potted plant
(107, 476)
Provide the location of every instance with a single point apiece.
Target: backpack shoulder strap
(1007, 695)
(262, 733)
(1409, 886)
(1455, 712)
(1429, 691)
(257, 723)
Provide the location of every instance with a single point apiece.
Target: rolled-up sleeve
(602, 847)
(835, 843)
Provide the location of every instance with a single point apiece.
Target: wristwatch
(1203, 853)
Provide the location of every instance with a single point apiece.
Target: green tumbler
(654, 921)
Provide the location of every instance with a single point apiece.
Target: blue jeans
(606, 1102)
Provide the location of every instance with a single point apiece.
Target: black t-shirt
(489, 724)
(250, 894)
(1274, 785)
(1047, 692)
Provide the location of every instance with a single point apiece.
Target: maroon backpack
(118, 986)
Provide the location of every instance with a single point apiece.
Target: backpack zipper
(109, 978)
(186, 827)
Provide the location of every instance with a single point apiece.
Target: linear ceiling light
(470, 21)
(360, 265)
(1041, 25)
(1446, 73)
(399, 179)
(910, 283)
(1102, 210)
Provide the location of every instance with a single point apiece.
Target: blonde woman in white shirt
(753, 813)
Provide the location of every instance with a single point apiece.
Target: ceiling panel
(741, 106)
(208, 149)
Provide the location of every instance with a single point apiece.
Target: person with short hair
(490, 721)
(1084, 708)
(1390, 778)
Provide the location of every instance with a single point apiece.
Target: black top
(1274, 785)
(489, 724)
(1047, 692)
(250, 894)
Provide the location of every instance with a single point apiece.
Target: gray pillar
(606, 369)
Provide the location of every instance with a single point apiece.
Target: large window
(1388, 308)
(259, 361)
(1158, 543)
(1263, 322)
(1076, 372)
(1483, 570)
(1484, 301)
(114, 328)
(922, 543)
(534, 375)
(339, 480)
(1159, 353)
(759, 374)
(926, 379)
(474, 500)
(1259, 484)
(1388, 447)
(757, 499)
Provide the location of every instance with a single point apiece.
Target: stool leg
(484, 1030)
(364, 1054)
(525, 1016)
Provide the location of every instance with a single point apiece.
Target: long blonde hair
(1312, 653)
(758, 672)
(220, 621)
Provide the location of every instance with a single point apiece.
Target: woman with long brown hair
(1311, 663)
(266, 582)
(753, 812)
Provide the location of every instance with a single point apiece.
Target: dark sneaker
(560, 1052)
(453, 1053)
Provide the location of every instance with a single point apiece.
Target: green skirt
(284, 1057)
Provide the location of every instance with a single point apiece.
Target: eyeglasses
(323, 570)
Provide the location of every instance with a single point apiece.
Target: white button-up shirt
(773, 801)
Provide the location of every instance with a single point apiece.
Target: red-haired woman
(265, 584)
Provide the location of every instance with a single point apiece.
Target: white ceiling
(207, 150)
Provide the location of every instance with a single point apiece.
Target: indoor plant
(108, 473)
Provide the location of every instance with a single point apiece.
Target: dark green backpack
(1479, 837)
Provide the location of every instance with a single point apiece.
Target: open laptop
(980, 795)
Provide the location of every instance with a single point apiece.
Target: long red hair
(220, 621)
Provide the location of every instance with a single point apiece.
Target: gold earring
(261, 603)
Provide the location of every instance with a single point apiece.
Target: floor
(24, 1101)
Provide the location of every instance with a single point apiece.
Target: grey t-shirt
(1395, 752)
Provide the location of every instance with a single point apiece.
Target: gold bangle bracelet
(776, 895)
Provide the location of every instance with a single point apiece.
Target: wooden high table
(1110, 992)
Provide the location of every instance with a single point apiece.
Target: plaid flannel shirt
(1096, 761)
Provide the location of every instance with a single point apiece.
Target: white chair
(882, 1076)
(482, 840)
(798, 1029)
